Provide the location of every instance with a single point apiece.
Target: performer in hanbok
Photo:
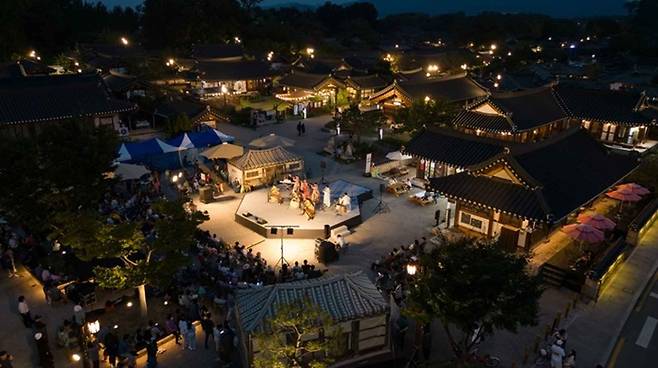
(274, 195)
(315, 194)
(295, 184)
(344, 204)
(308, 209)
(303, 187)
(326, 197)
(294, 200)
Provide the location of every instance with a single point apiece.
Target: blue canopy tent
(173, 153)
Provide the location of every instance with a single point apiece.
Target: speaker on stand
(382, 207)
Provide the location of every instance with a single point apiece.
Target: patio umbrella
(397, 156)
(596, 220)
(224, 150)
(635, 188)
(130, 171)
(624, 195)
(584, 233)
(272, 140)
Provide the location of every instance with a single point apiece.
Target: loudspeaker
(290, 231)
(323, 164)
(273, 230)
(382, 188)
(205, 195)
(327, 231)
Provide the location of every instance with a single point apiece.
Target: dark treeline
(53, 26)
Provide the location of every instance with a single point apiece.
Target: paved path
(593, 333)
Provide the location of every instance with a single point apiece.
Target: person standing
(93, 354)
(191, 336)
(299, 128)
(172, 328)
(24, 311)
(303, 129)
(182, 330)
(216, 335)
(152, 353)
(207, 326)
(45, 356)
(437, 217)
(557, 354)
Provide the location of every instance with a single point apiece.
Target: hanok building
(310, 90)
(28, 103)
(524, 116)
(614, 117)
(363, 87)
(457, 89)
(441, 152)
(528, 190)
(352, 301)
(198, 114)
(222, 70)
(221, 78)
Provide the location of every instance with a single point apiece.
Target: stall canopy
(138, 151)
(130, 171)
(202, 139)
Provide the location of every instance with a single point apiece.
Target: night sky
(557, 8)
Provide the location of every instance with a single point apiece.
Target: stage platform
(258, 215)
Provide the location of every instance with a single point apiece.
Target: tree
(359, 123)
(645, 174)
(473, 289)
(249, 5)
(285, 341)
(179, 125)
(140, 259)
(60, 170)
(427, 113)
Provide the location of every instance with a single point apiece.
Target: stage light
(76, 357)
(129, 304)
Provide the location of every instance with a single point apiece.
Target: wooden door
(508, 239)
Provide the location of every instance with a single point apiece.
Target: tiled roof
(233, 70)
(34, 99)
(307, 81)
(493, 193)
(602, 104)
(454, 89)
(173, 109)
(453, 148)
(119, 82)
(345, 297)
(559, 175)
(573, 170)
(254, 159)
(487, 122)
(517, 111)
(367, 82)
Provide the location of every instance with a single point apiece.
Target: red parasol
(635, 188)
(596, 220)
(624, 195)
(584, 233)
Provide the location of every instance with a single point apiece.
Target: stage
(258, 215)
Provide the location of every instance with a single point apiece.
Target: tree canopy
(473, 289)
(359, 123)
(285, 341)
(425, 114)
(149, 258)
(60, 170)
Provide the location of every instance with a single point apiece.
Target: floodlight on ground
(76, 357)
(124, 41)
(129, 304)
